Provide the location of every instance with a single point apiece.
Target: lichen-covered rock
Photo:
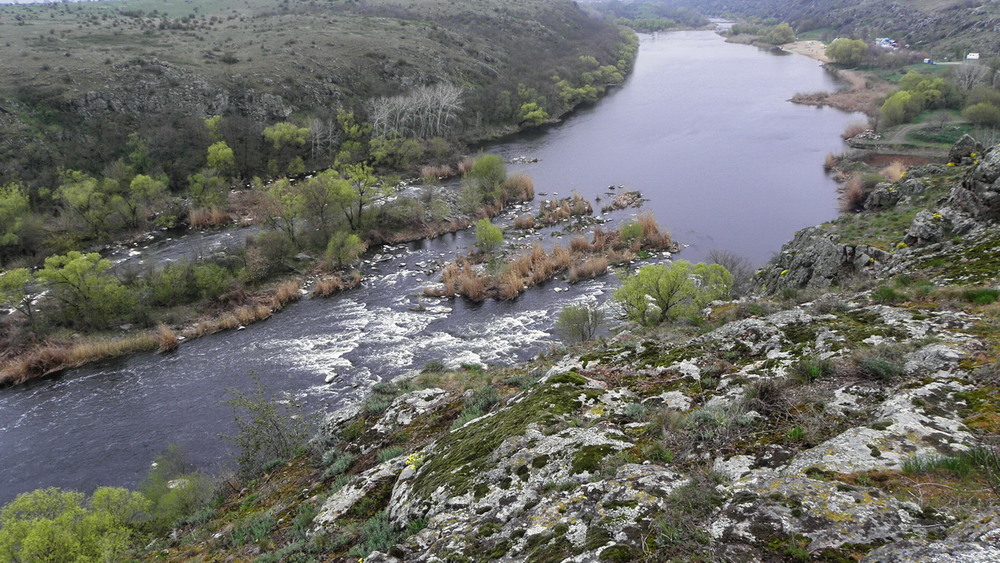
(927, 228)
(814, 259)
(406, 408)
(359, 487)
(829, 514)
(974, 540)
(884, 196)
(964, 148)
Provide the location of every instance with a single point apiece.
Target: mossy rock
(465, 453)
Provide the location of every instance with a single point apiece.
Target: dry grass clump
(41, 360)
(519, 187)
(286, 293)
(854, 129)
(852, 196)
(590, 269)
(333, 285)
(579, 245)
(831, 161)
(855, 191)
(471, 285)
(524, 222)
(652, 234)
(433, 174)
(894, 171)
(240, 316)
(208, 218)
(465, 165)
(167, 339)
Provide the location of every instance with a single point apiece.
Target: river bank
(696, 128)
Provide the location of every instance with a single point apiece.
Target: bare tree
(422, 113)
(969, 75)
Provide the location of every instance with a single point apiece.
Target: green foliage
(16, 292)
(850, 52)
(630, 231)
(14, 206)
(657, 293)
(355, 134)
(267, 429)
(284, 134)
(51, 525)
(486, 178)
(810, 369)
(981, 296)
(174, 490)
(344, 249)
(206, 189)
(211, 280)
(91, 204)
(531, 113)
(377, 534)
(391, 452)
(983, 113)
(579, 323)
(221, 158)
(489, 238)
(396, 153)
(86, 294)
(780, 34)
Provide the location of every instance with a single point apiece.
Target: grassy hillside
(77, 79)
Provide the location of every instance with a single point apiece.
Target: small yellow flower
(784, 272)
(414, 460)
(901, 245)
(951, 164)
(937, 216)
(903, 175)
(974, 155)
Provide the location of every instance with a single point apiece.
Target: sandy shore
(862, 95)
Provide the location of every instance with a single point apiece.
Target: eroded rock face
(814, 259)
(964, 148)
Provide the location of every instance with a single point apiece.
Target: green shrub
(489, 238)
(659, 292)
(579, 323)
(808, 370)
(981, 296)
(391, 452)
(887, 296)
(174, 489)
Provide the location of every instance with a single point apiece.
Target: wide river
(702, 128)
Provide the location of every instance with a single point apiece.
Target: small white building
(972, 57)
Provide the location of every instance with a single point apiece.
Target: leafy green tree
(344, 248)
(283, 205)
(221, 157)
(781, 34)
(983, 113)
(286, 134)
(361, 190)
(87, 294)
(850, 52)
(532, 113)
(657, 293)
(206, 189)
(55, 526)
(144, 196)
(320, 196)
(489, 237)
(16, 292)
(579, 323)
(354, 144)
(483, 183)
(90, 202)
(14, 206)
(901, 107)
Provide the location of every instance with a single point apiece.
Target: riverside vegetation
(231, 147)
(845, 411)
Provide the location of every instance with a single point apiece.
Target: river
(701, 127)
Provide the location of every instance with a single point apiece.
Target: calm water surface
(702, 128)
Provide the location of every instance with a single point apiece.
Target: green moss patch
(465, 452)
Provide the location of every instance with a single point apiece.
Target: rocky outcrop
(554, 474)
(816, 259)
